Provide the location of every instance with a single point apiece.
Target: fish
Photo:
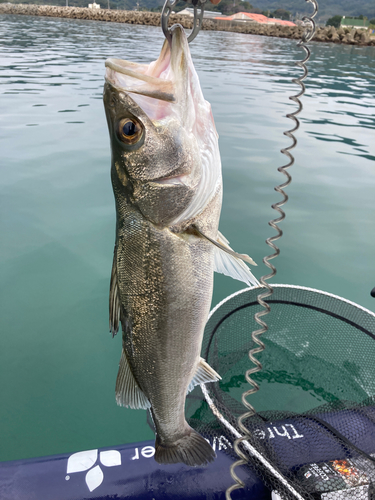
(167, 183)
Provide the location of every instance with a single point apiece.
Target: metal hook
(197, 23)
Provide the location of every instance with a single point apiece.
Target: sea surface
(58, 363)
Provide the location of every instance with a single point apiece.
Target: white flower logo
(85, 460)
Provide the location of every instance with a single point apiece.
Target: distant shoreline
(345, 36)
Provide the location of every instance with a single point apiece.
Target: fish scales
(166, 177)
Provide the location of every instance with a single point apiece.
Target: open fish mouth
(141, 79)
(154, 86)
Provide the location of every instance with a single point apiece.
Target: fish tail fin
(192, 449)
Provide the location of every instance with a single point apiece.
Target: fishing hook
(306, 37)
(197, 23)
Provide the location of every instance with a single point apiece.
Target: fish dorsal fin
(228, 262)
(114, 300)
(128, 392)
(203, 375)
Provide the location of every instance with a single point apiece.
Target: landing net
(313, 435)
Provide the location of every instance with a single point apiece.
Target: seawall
(331, 34)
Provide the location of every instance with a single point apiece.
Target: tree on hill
(334, 21)
(227, 7)
(277, 14)
(247, 5)
(281, 14)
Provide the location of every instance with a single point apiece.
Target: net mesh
(313, 435)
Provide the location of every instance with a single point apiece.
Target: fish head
(165, 156)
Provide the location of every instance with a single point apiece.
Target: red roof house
(259, 18)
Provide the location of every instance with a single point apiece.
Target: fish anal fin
(128, 392)
(203, 374)
(114, 300)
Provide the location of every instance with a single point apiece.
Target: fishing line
(306, 37)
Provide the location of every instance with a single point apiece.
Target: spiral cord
(306, 37)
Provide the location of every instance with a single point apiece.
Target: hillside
(327, 8)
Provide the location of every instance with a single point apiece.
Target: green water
(58, 363)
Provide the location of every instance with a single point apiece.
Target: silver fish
(166, 176)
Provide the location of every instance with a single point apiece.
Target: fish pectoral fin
(204, 374)
(114, 300)
(228, 262)
(128, 392)
(229, 265)
(223, 244)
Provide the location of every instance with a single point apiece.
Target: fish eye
(129, 131)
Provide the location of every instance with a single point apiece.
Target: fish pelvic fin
(128, 392)
(192, 449)
(203, 375)
(114, 300)
(228, 262)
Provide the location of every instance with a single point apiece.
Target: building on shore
(349, 22)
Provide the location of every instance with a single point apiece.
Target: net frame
(279, 288)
